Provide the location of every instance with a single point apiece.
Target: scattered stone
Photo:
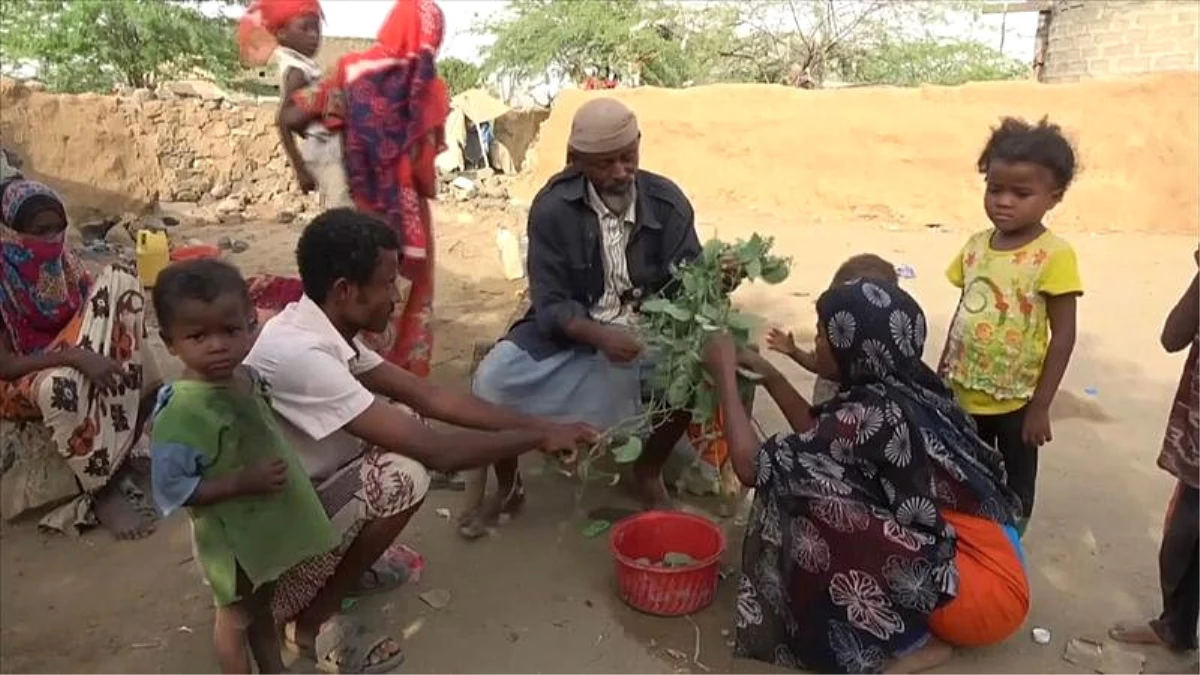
(436, 598)
(224, 243)
(240, 246)
(96, 230)
(119, 236)
(230, 218)
(136, 224)
(230, 205)
(1040, 636)
(285, 216)
(220, 191)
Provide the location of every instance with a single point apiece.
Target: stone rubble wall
(188, 142)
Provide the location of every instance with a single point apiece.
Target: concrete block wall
(1097, 39)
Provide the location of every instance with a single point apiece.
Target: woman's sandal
(382, 576)
(344, 646)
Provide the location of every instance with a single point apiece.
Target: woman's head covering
(603, 125)
(877, 334)
(876, 331)
(263, 19)
(23, 199)
(412, 26)
(42, 285)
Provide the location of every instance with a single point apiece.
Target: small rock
(230, 205)
(1040, 636)
(152, 223)
(240, 246)
(285, 216)
(436, 598)
(230, 218)
(224, 243)
(220, 190)
(443, 513)
(118, 236)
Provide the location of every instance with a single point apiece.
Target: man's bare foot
(648, 487)
(1136, 633)
(125, 516)
(933, 654)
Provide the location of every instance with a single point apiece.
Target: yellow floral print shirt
(1000, 332)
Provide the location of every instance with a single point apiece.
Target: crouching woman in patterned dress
(882, 531)
(72, 359)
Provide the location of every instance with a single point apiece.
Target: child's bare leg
(262, 633)
(229, 637)
(511, 488)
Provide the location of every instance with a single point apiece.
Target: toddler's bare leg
(262, 633)
(229, 637)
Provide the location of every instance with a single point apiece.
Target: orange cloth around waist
(993, 591)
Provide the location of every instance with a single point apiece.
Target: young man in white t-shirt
(329, 391)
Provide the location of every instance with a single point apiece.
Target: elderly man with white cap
(603, 233)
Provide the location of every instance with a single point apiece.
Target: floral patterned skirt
(92, 430)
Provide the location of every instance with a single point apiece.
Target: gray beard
(618, 203)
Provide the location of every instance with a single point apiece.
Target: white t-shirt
(311, 372)
(315, 146)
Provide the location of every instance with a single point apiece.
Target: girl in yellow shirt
(1014, 330)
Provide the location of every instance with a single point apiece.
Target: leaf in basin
(628, 451)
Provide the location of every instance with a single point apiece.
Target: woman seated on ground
(71, 358)
(882, 532)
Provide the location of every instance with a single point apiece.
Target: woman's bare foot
(124, 516)
(1136, 633)
(933, 654)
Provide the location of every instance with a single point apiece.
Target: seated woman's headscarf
(42, 284)
(848, 554)
(391, 108)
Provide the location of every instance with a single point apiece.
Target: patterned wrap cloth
(848, 552)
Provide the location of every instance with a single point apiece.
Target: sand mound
(906, 156)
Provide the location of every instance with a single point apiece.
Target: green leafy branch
(675, 325)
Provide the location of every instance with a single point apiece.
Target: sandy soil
(538, 597)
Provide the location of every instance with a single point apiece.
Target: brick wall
(1096, 39)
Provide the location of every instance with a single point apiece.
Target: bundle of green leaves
(675, 326)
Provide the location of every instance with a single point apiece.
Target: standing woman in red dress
(391, 108)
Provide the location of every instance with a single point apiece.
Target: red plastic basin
(667, 591)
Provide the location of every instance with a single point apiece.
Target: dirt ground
(538, 597)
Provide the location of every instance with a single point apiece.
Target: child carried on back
(863, 266)
(216, 449)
